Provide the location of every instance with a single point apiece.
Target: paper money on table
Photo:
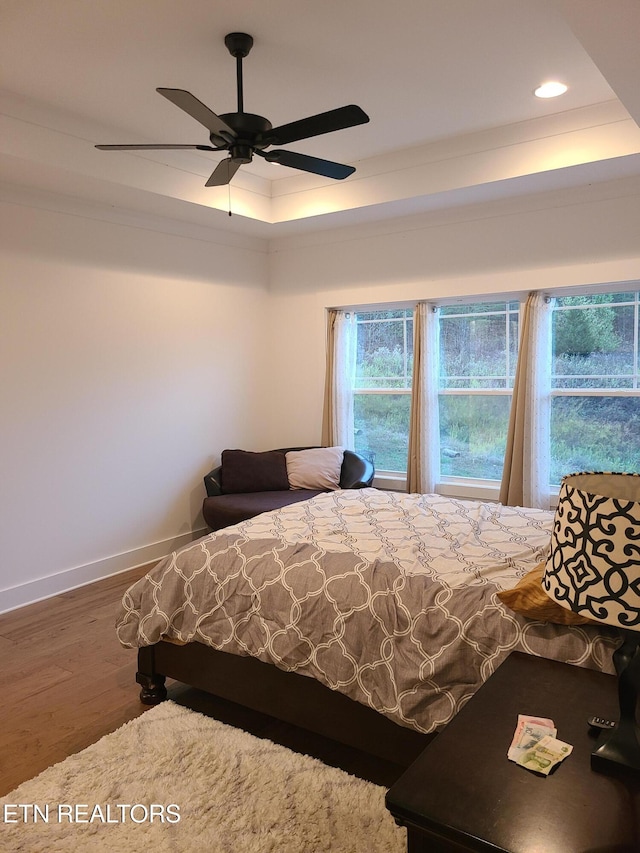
(544, 756)
(529, 731)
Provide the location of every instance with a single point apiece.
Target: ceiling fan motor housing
(248, 127)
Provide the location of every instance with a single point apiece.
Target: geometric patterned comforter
(389, 598)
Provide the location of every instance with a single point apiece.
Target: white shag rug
(175, 781)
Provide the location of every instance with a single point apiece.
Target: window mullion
(636, 332)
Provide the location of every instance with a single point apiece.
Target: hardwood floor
(65, 682)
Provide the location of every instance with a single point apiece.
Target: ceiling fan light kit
(244, 134)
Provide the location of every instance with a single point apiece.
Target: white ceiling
(447, 85)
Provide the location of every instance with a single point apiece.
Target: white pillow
(316, 468)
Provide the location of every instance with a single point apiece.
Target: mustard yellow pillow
(529, 599)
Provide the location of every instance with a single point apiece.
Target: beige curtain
(337, 415)
(525, 477)
(423, 462)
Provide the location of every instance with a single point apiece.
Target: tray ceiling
(448, 88)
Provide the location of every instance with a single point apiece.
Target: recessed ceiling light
(550, 90)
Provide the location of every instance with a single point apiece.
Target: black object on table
(463, 794)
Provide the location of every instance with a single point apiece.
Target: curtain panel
(526, 473)
(337, 418)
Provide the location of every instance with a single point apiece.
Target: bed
(368, 616)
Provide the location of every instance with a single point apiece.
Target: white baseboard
(37, 590)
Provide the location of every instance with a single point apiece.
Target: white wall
(560, 239)
(129, 359)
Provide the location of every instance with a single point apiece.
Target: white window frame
(389, 479)
(634, 391)
(473, 487)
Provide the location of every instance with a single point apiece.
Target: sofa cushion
(222, 510)
(315, 468)
(246, 471)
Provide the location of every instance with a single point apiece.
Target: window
(382, 401)
(478, 354)
(595, 381)
(594, 377)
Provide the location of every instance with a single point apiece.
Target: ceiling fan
(245, 134)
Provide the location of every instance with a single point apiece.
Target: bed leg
(153, 690)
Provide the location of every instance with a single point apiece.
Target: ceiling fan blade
(338, 119)
(327, 168)
(197, 110)
(154, 147)
(224, 171)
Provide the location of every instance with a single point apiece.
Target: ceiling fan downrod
(239, 45)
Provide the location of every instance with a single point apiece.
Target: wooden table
(463, 794)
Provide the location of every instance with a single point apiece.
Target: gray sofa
(255, 483)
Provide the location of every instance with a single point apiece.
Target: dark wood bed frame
(287, 696)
